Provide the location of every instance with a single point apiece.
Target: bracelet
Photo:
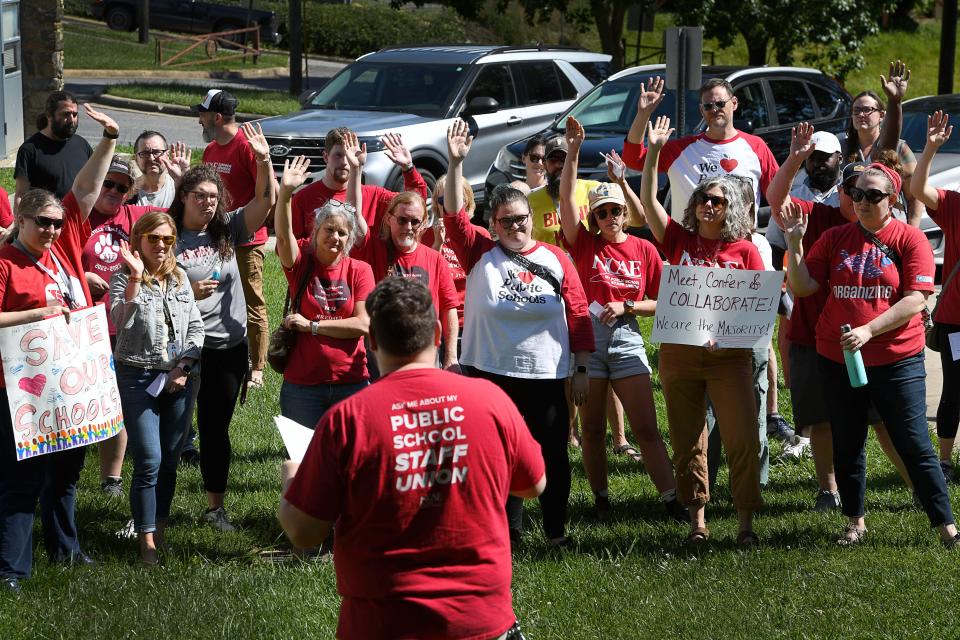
(111, 136)
(314, 327)
(135, 279)
(264, 160)
(407, 168)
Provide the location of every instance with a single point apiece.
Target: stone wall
(41, 31)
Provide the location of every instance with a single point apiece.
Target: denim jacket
(142, 331)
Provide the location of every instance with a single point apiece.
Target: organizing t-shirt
(947, 217)
(616, 271)
(415, 471)
(237, 166)
(684, 247)
(225, 311)
(331, 294)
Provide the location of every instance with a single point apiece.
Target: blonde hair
(405, 197)
(468, 202)
(142, 227)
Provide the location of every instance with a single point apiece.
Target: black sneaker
(827, 501)
(949, 473)
(602, 509)
(10, 585)
(778, 428)
(112, 487)
(190, 458)
(677, 511)
(952, 544)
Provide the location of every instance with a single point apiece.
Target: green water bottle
(855, 369)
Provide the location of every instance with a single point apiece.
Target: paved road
(132, 123)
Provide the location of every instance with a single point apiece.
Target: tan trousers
(250, 264)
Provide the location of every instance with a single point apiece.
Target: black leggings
(948, 412)
(543, 405)
(222, 373)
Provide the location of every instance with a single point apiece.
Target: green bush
(76, 7)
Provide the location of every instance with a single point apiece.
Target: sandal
(255, 380)
(747, 540)
(629, 450)
(852, 535)
(698, 537)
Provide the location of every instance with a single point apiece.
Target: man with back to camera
(415, 471)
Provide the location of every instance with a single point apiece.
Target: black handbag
(282, 339)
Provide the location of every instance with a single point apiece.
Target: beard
(63, 130)
(209, 133)
(553, 185)
(824, 178)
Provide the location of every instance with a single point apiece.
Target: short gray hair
(343, 210)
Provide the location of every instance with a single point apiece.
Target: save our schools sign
(734, 308)
(61, 382)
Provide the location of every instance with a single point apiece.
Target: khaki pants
(688, 374)
(250, 263)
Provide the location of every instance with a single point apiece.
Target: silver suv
(504, 93)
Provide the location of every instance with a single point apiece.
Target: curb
(161, 107)
(148, 74)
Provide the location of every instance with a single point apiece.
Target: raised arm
(794, 226)
(356, 156)
(938, 132)
(657, 217)
(778, 193)
(569, 212)
(294, 175)
(647, 102)
(895, 88)
(88, 182)
(177, 161)
(265, 192)
(617, 172)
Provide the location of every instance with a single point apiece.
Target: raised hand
(105, 121)
(616, 167)
(895, 86)
(574, 134)
(396, 150)
(294, 173)
(177, 161)
(256, 140)
(131, 259)
(800, 145)
(938, 129)
(458, 140)
(651, 97)
(658, 133)
(355, 153)
(794, 221)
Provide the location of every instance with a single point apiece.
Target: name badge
(173, 350)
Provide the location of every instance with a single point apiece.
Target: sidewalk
(934, 371)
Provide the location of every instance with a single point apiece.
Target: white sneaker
(128, 532)
(797, 450)
(218, 519)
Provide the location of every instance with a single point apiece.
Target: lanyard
(63, 280)
(168, 319)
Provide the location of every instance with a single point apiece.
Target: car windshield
(421, 89)
(915, 130)
(609, 108)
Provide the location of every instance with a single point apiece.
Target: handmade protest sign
(733, 307)
(61, 382)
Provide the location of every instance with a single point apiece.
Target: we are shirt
(237, 166)
(332, 293)
(806, 310)
(947, 217)
(546, 211)
(616, 271)
(684, 247)
(376, 199)
(456, 269)
(863, 283)
(690, 160)
(415, 471)
(516, 323)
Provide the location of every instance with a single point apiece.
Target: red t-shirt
(806, 310)
(456, 269)
(863, 283)
(947, 217)
(423, 264)
(415, 470)
(6, 213)
(615, 271)
(375, 202)
(683, 247)
(237, 166)
(331, 294)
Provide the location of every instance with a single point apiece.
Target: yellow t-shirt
(546, 217)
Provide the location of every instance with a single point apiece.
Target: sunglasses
(508, 222)
(864, 111)
(535, 157)
(716, 201)
(614, 212)
(710, 106)
(154, 238)
(147, 153)
(201, 196)
(116, 186)
(873, 196)
(43, 222)
(404, 221)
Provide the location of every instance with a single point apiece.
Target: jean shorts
(620, 351)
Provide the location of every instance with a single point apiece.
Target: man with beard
(545, 201)
(160, 169)
(52, 157)
(230, 154)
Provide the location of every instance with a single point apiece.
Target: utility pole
(295, 29)
(143, 9)
(948, 47)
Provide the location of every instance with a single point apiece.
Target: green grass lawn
(270, 103)
(628, 579)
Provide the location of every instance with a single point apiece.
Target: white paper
(596, 309)
(157, 385)
(954, 345)
(296, 437)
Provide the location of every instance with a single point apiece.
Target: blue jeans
(156, 428)
(898, 391)
(306, 403)
(51, 479)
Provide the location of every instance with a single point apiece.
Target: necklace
(708, 255)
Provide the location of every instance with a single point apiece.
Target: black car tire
(120, 19)
(426, 174)
(238, 38)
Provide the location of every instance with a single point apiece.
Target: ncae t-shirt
(616, 271)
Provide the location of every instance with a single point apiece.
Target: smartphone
(617, 167)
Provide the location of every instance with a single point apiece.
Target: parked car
(503, 92)
(186, 16)
(771, 101)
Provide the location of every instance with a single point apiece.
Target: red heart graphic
(33, 385)
(526, 276)
(729, 164)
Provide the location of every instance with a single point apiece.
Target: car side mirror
(481, 105)
(307, 96)
(746, 126)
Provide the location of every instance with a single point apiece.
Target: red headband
(890, 173)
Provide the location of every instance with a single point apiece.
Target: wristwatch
(581, 369)
(314, 327)
(185, 367)
(406, 167)
(630, 306)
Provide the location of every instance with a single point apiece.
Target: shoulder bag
(282, 339)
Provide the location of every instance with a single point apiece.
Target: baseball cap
(826, 142)
(218, 101)
(554, 144)
(604, 193)
(852, 170)
(119, 165)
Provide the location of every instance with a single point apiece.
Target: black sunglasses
(716, 201)
(602, 214)
(116, 186)
(710, 106)
(509, 222)
(43, 222)
(873, 196)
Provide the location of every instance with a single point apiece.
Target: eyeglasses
(710, 106)
(535, 157)
(404, 221)
(509, 222)
(43, 222)
(614, 212)
(864, 111)
(873, 196)
(146, 153)
(716, 201)
(154, 238)
(116, 186)
(202, 196)
(333, 202)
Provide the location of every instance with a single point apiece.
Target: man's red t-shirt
(415, 470)
(376, 199)
(863, 283)
(683, 247)
(615, 271)
(947, 217)
(331, 294)
(237, 166)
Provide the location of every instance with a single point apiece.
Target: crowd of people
(485, 343)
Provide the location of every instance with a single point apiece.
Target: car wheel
(120, 19)
(427, 175)
(233, 39)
